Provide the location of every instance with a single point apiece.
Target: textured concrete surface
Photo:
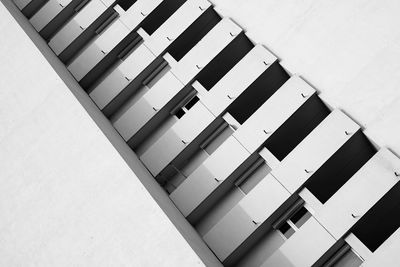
(349, 50)
(67, 198)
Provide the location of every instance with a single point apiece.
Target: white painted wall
(347, 49)
(67, 198)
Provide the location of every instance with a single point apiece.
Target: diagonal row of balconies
(258, 163)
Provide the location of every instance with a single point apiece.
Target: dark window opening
(381, 221)
(160, 14)
(224, 61)
(126, 4)
(300, 217)
(286, 230)
(192, 102)
(179, 113)
(340, 167)
(258, 92)
(297, 127)
(193, 34)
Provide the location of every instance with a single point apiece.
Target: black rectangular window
(339, 168)
(381, 221)
(224, 61)
(180, 113)
(297, 127)
(192, 102)
(126, 4)
(300, 217)
(286, 230)
(258, 92)
(193, 34)
(160, 14)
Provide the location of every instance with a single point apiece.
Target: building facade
(250, 162)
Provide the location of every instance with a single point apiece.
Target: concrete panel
(62, 201)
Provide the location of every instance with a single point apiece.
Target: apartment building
(246, 161)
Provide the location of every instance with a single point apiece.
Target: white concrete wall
(67, 198)
(347, 49)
